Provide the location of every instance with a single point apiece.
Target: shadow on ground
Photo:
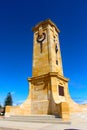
(72, 129)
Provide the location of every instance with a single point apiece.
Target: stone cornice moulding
(50, 74)
(46, 22)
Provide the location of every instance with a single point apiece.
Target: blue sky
(17, 17)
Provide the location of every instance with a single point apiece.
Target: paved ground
(78, 122)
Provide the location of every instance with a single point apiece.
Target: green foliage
(8, 100)
(0, 106)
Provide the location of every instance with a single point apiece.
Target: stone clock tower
(46, 51)
(48, 85)
(48, 88)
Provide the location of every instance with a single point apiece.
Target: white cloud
(14, 104)
(84, 102)
(18, 102)
(80, 100)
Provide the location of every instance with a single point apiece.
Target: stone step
(34, 118)
(37, 117)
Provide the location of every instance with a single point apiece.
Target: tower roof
(45, 22)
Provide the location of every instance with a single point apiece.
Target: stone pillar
(64, 111)
(49, 42)
(7, 110)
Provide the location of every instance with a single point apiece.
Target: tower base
(44, 98)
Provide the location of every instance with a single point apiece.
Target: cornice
(46, 22)
(49, 75)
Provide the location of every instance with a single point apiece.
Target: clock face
(41, 37)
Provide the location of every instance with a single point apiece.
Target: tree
(0, 106)
(8, 100)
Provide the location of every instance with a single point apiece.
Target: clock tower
(48, 88)
(47, 83)
(46, 51)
